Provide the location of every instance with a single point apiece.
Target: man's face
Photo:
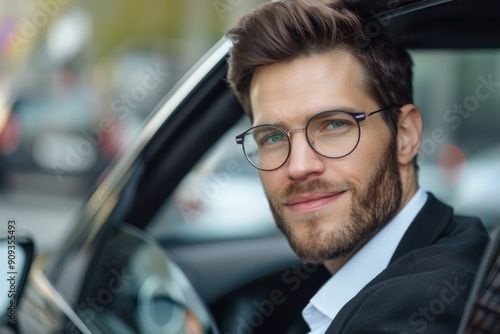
(327, 208)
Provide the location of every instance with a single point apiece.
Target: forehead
(295, 90)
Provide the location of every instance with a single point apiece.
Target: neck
(334, 265)
(410, 187)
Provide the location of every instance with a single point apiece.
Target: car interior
(481, 312)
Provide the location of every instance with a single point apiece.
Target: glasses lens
(266, 147)
(333, 134)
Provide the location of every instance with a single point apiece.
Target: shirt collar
(357, 272)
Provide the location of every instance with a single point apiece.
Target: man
(335, 137)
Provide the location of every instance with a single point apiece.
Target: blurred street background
(77, 79)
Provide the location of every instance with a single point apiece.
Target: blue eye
(332, 124)
(275, 138)
(269, 137)
(336, 124)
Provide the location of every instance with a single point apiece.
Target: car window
(459, 160)
(221, 197)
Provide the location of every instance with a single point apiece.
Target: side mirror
(16, 255)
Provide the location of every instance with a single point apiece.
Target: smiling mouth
(312, 202)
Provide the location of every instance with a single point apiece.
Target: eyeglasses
(332, 134)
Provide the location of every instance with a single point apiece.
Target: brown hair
(281, 31)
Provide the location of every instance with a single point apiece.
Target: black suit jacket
(425, 287)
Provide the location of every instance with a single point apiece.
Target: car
(55, 126)
(178, 238)
(10, 135)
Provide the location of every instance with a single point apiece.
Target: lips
(312, 202)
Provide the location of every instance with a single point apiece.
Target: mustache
(313, 186)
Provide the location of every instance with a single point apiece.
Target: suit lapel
(429, 223)
(425, 229)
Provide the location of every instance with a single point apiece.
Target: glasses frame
(358, 117)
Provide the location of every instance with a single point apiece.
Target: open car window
(221, 197)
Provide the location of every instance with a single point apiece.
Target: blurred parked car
(178, 238)
(10, 137)
(59, 132)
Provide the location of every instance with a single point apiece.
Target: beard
(372, 207)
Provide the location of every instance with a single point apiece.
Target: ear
(409, 133)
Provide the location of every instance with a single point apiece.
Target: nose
(303, 160)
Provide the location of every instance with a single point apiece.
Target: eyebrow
(281, 124)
